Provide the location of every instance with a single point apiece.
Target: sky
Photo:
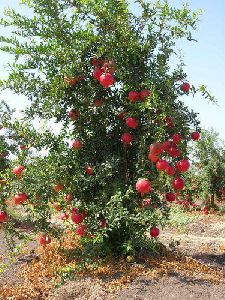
(205, 62)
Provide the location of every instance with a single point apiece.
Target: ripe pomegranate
(154, 232)
(3, 216)
(143, 186)
(156, 148)
(64, 216)
(144, 94)
(89, 170)
(206, 210)
(45, 240)
(126, 138)
(178, 183)
(176, 138)
(95, 61)
(81, 230)
(133, 96)
(146, 202)
(18, 170)
(103, 223)
(57, 206)
(121, 116)
(174, 152)
(22, 147)
(152, 157)
(77, 217)
(170, 197)
(98, 102)
(132, 122)
(20, 198)
(74, 210)
(73, 81)
(77, 144)
(162, 164)
(73, 114)
(166, 145)
(106, 80)
(170, 170)
(68, 197)
(195, 136)
(183, 165)
(169, 121)
(97, 73)
(185, 87)
(58, 187)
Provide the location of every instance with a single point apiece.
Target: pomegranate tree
(112, 126)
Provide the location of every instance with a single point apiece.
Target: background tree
(209, 167)
(101, 74)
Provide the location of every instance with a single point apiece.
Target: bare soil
(203, 240)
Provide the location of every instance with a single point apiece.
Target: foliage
(55, 48)
(178, 218)
(209, 167)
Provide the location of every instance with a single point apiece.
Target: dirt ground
(203, 240)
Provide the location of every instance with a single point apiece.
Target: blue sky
(205, 62)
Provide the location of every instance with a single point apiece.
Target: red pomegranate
(68, 197)
(169, 121)
(74, 210)
(106, 80)
(81, 230)
(146, 202)
(58, 187)
(143, 186)
(174, 152)
(97, 73)
(20, 198)
(131, 122)
(156, 148)
(154, 232)
(77, 144)
(183, 165)
(178, 183)
(3, 216)
(133, 96)
(73, 114)
(166, 145)
(170, 197)
(98, 102)
(162, 164)
(77, 217)
(170, 170)
(144, 94)
(185, 87)
(152, 157)
(95, 61)
(18, 170)
(45, 240)
(64, 216)
(195, 136)
(121, 116)
(89, 170)
(22, 147)
(57, 206)
(126, 138)
(176, 138)
(103, 223)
